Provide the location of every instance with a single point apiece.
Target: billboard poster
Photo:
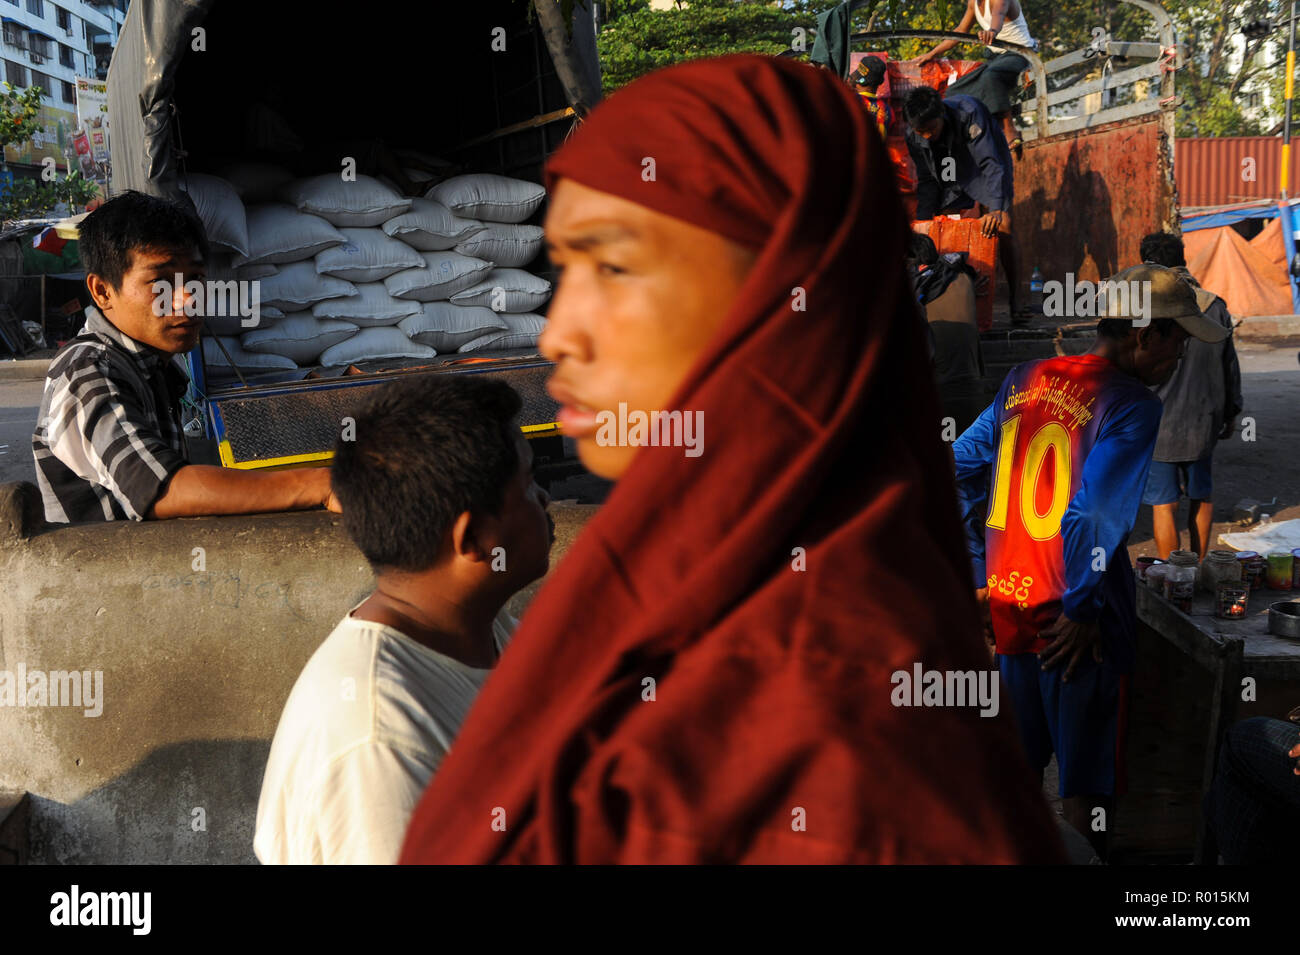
(92, 115)
(85, 156)
(53, 139)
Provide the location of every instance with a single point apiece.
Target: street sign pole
(1284, 208)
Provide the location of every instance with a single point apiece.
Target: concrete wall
(196, 664)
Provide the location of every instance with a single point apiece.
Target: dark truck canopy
(425, 77)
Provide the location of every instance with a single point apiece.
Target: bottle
(1219, 565)
(1036, 289)
(1180, 580)
(1155, 577)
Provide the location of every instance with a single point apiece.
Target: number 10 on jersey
(1051, 438)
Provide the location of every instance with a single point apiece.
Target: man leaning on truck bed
(109, 443)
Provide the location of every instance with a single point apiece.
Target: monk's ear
(466, 534)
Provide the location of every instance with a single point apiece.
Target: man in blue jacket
(962, 160)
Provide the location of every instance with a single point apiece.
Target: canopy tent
(1249, 275)
(1227, 215)
(1269, 243)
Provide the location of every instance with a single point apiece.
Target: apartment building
(50, 45)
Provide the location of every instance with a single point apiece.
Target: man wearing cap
(866, 81)
(1049, 478)
(1201, 403)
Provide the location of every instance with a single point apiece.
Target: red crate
(963, 235)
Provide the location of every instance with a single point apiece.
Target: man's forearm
(998, 17)
(199, 489)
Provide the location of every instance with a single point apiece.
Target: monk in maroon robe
(716, 671)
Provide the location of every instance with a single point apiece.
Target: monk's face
(640, 294)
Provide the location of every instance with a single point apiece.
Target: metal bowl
(1284, 618)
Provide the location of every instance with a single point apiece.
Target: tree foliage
(19, 119)
(635, 39)
(31, 198)
(1213, 91)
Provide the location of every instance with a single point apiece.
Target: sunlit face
(131, 306)
(639, 297)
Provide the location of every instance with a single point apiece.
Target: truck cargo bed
(288, 424)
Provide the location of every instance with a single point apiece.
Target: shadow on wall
(194, 800)
(1084, 198)
(1083, 226)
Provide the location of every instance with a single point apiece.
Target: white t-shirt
(366, 726)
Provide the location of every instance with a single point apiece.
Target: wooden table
(1230, 650)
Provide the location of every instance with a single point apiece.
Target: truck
(494, 87)
(1097, 172)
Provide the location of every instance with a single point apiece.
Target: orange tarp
(1245, 276)
(1270, 244)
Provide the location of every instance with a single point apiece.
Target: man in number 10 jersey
(1050, 478)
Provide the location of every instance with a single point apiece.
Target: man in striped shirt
(109, 441)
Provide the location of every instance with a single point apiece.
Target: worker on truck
(962, 161)
(109, 443)
(994, 82)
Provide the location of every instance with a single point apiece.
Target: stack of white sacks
(352, 271)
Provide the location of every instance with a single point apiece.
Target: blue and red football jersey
(1050, 478)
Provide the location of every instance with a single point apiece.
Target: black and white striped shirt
(109, 433)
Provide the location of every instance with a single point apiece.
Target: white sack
(372, 343)
(484, 195)
(446, 327)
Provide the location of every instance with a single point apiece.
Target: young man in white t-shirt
(437, 493)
